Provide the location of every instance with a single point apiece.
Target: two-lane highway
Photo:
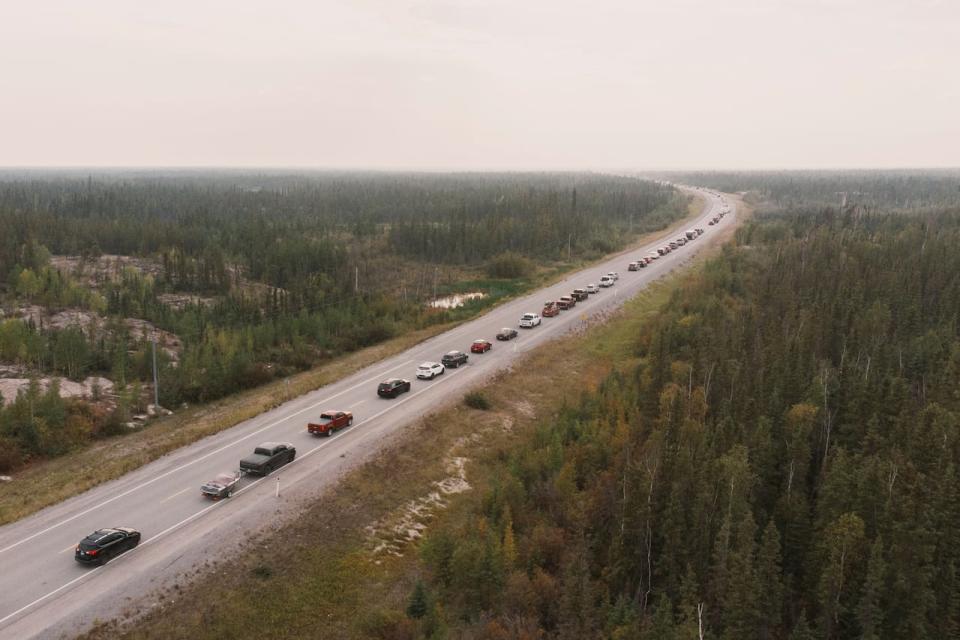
(44, 592)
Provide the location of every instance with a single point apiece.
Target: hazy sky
(478, 84)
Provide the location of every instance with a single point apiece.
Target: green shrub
(477, 400)
(509, 265)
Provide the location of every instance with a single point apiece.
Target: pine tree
(869, 610)
(802, 630)
(770, 582)
(419, 604)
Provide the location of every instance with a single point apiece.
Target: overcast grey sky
(480, 84)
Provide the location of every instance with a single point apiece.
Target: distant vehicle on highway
(481, 346)
(329, 422)
(429, 370)
(453, 359)
(105, 544)
(580, 295)
(606, 281)
(529, 321)
(613, 275)
(222, 486)
(635, 266)
(566, 302)
(550, 309)
(393, 387)
(663, 250)
(592, 288)
(267, 457)
(507, 333)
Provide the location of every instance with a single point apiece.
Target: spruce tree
(419, 604)
(869, 610)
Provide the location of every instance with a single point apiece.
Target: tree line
(286, 270)
(782, 464)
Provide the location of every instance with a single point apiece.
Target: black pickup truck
(267, 457)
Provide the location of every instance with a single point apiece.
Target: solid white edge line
(252, 484)
(220, 502)
(196, 460)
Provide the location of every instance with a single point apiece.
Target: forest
(877, 190)
(270, 272)
(782, 464)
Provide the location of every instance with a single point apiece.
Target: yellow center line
(176, 494)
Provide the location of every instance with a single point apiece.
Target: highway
(45, 593)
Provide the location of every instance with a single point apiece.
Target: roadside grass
(325, 578)
(51, 481)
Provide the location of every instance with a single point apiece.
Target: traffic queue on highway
(105, 544)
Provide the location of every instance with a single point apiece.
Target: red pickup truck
(329, 422)
(550, 309)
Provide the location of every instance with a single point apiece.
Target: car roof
(100, 534)
(391, 380)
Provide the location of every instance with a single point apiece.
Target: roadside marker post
(278, 487)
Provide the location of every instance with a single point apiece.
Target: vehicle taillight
(93, 552)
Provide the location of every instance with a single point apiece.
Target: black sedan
(393, 387)
(106, 544)
(506, 334)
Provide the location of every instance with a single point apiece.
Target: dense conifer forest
(782, 464)
(274, 272)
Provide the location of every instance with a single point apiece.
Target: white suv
(613, 275)
(591, 288)
(429, 370)
(606, 281)
(529, 320)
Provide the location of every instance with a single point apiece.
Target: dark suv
(105, 544)
(453, 359)
(393, 387)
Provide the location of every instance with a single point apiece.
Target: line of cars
(106, 544)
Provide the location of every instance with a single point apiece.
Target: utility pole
(356, 279)
(569, 238)
(436, 274)
(156, 383)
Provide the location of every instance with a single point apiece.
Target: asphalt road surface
(45, 593)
